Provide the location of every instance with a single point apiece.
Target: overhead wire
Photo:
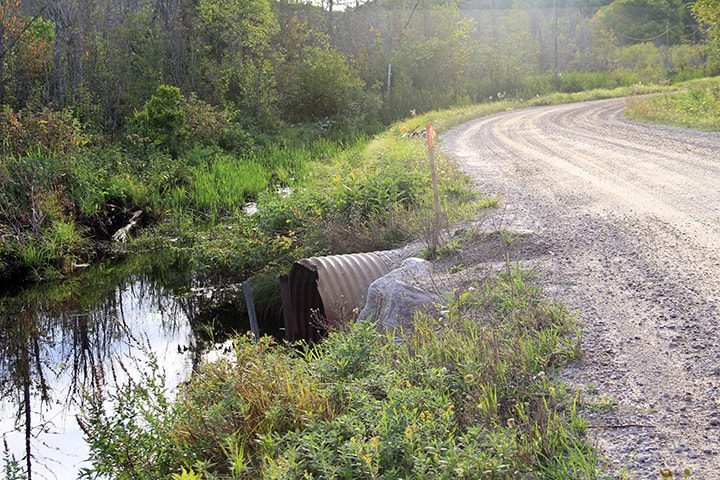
(653, 11)
(628, 37)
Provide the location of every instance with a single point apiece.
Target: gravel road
(627, 217)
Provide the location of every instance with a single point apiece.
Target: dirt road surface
(627, 217)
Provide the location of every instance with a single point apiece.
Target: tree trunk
(330, 27)
(59, 93)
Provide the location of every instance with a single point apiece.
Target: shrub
(173, 123)
(320, 86)
(264, 390)
(208, 125)
(129, 428)
(162, 122)
(45, 131)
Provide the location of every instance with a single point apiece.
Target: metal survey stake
(436, 198)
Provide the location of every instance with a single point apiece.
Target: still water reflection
(56, 337)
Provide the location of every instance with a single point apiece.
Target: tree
(637, 21)
(13, 29)
(707, 13)
(238, 62)
(320, 86)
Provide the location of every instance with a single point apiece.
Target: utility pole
(330, 27)
(555, 33)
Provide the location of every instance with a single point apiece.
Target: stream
(58, 338)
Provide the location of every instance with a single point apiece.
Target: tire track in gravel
(629, 217)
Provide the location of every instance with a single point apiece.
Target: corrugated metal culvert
(321, 292)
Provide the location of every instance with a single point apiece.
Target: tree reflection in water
(55, 337)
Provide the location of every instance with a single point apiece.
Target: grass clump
(468, 395)
(696, 106)
(262, 390)
(227, 182)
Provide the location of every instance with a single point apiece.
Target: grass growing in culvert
(468, 395)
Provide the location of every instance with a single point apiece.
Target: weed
(467, 396)
(696, 106)
(225, 183)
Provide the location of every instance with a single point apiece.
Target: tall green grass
(227, 182)
(696, 106)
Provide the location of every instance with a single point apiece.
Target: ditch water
(58, 338)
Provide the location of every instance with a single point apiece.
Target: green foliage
(130, 431)
(707, 13)
(207, 125)
(226, 182)
(238, 65)
(469, 395)
(262, 391)
(696, 107)
(34, 211)
(432, 68)
(320, 86)
(11, 468)
(45, 131)
(186, 475)
(636, 21)
(162, 122)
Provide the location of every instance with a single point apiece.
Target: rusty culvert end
(324, 291)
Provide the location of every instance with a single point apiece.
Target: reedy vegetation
(468, 395)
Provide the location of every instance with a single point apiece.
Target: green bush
(320, 86)
(45, 131)
(162, 122)
(209, 126)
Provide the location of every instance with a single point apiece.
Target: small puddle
(56, 337)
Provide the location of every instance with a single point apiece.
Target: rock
(393, 300)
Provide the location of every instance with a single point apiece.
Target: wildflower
(511, 423)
